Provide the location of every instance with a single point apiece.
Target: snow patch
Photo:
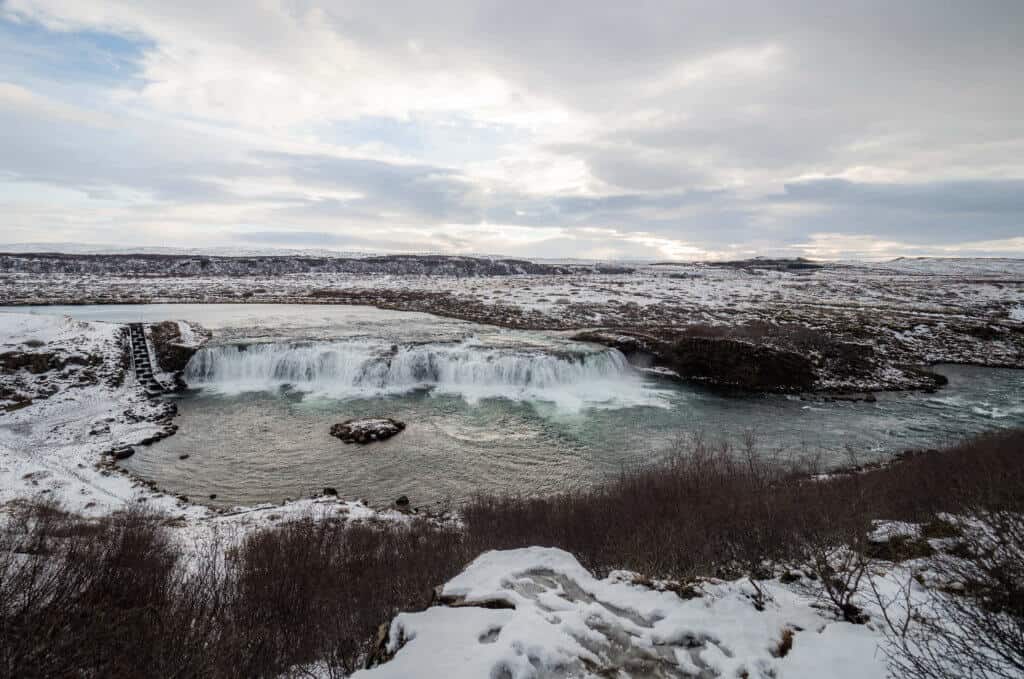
(536, 612)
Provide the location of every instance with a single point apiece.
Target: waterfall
(359, 368)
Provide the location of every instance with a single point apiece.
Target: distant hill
(145, 264)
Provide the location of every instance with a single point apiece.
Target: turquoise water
(488, 410)
(271, 445)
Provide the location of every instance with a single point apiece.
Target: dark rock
(213, 496)
(402, 501)
(171, 355)
(782, 264)
(122, 453)
(459, 601)
(34, 362)
(18, 405)
(719, 361)
(367, 429)
(330, 491)
(183, 457)
(730, 362)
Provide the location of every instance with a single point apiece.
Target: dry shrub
(97, 597)
(319, 590)
(112, 597)
(707, 511)
(109, 598)
(712, 510)
(987, 471)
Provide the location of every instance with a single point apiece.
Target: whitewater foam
(572, 377)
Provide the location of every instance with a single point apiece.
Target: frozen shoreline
(57, 446)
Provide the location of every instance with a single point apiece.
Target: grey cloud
(956, 197)
(638, 169)
(423, 190)
(919, 88)
(330, 239)
(320, 238)
(98, 161)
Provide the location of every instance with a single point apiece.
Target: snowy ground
(56, 446)
(535, 612)
(910, 311)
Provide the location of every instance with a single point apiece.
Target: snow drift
(536, 612)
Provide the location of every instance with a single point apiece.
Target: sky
(653, 129)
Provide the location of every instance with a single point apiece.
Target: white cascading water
(359, 369)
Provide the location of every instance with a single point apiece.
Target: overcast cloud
(649, 129)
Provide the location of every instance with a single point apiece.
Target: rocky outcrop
(729, 362)
(173, 351)
(367, 429)
(722, 362)
(171, 354)
(43, 361)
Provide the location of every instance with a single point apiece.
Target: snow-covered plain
(912, 311)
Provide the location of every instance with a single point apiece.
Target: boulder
(367, 429)
(122, 453)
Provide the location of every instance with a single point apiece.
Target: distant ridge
(219, 251)
(178, 265)
(68, 248)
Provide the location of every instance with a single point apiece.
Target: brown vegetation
(113, 597)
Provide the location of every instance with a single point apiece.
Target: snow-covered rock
(536, 612)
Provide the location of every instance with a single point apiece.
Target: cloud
(666, 128)
(874, 247)
(946, 197)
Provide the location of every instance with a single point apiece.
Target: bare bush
(94, 596)
(112, 598)
(109, 598)
(972, 625)
(313, 590)
(709, 510)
